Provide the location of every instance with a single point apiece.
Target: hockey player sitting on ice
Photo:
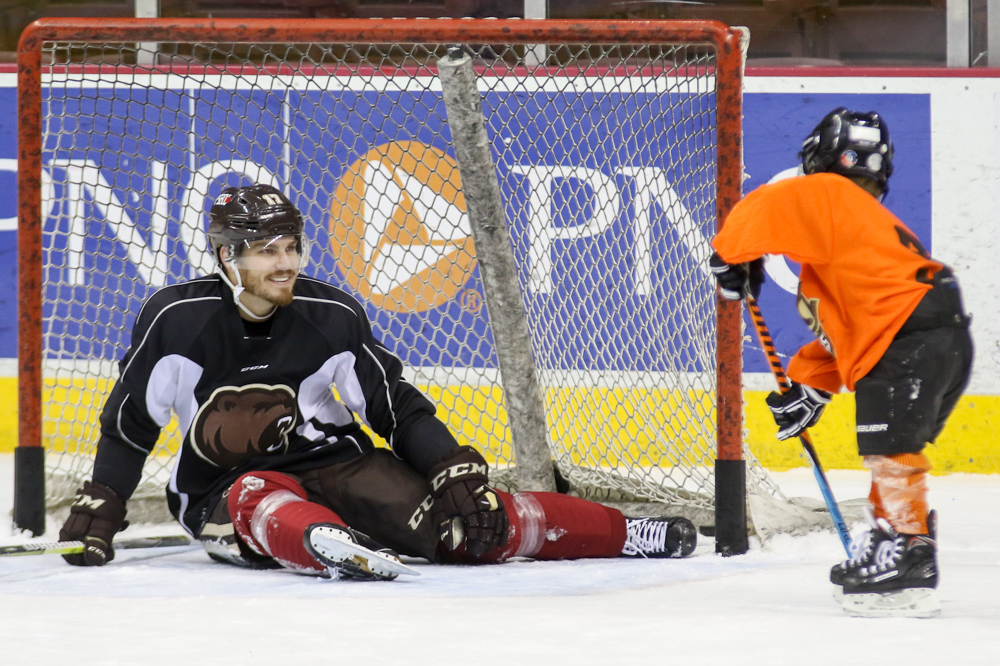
(891, 328)
(274, 469)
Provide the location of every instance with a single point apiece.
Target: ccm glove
(737, 280)
(96, 516)
(798, 409)
(465, 507)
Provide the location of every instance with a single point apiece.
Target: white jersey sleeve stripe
(388, 393)
(121, 431)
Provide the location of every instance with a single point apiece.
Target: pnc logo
(399, 230)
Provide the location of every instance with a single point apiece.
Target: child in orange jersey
(890, 326)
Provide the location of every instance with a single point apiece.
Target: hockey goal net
(616, 149)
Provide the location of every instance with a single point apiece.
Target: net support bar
(525, 410)
(29, 457)
(731, 536)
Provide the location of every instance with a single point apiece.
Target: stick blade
(71, 547)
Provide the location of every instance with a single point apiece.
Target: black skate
(350, 554)
(659, 537)
(862, 550)
(897, 578)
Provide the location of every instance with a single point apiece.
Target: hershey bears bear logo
(242, 422)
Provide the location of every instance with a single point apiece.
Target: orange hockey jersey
(863, 271)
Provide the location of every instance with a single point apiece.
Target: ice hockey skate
(861, 549)
(347, 555)
(893, 576)
(659, 537)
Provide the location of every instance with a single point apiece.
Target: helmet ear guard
(231, 251)
(850, 143)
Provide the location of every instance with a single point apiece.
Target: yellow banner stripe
(604, 425)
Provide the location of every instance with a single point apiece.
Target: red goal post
(687, 72)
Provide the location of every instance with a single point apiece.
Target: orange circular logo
(399, 229)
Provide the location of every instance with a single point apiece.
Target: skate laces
(888, 547)
(645, 536)
(888, 553)
(860, 549)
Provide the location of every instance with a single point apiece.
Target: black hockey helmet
(242, 214)
(850, 144)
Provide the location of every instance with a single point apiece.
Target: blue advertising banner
(174, 151)
(8, 219)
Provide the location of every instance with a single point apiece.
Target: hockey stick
(764, 335)
(69, 547)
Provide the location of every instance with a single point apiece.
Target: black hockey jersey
(256, 396)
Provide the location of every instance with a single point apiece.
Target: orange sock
(876, 501)
(899, 490)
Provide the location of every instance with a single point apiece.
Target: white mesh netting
(606, 158)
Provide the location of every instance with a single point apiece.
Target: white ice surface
(771, 606)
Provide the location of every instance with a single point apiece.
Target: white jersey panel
(171, 387)
(316, 400)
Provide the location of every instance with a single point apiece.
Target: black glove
(465, 507)
(96, 516)
(737, 280)
(798, 409)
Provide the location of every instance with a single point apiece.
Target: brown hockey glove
(96, 516)
(737, 280)
(798, 409)
(465, 507)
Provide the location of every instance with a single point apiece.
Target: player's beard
(262, 286)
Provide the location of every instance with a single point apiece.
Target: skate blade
(354, 560)
(921, 602)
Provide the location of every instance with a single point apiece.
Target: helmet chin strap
(238, 290)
